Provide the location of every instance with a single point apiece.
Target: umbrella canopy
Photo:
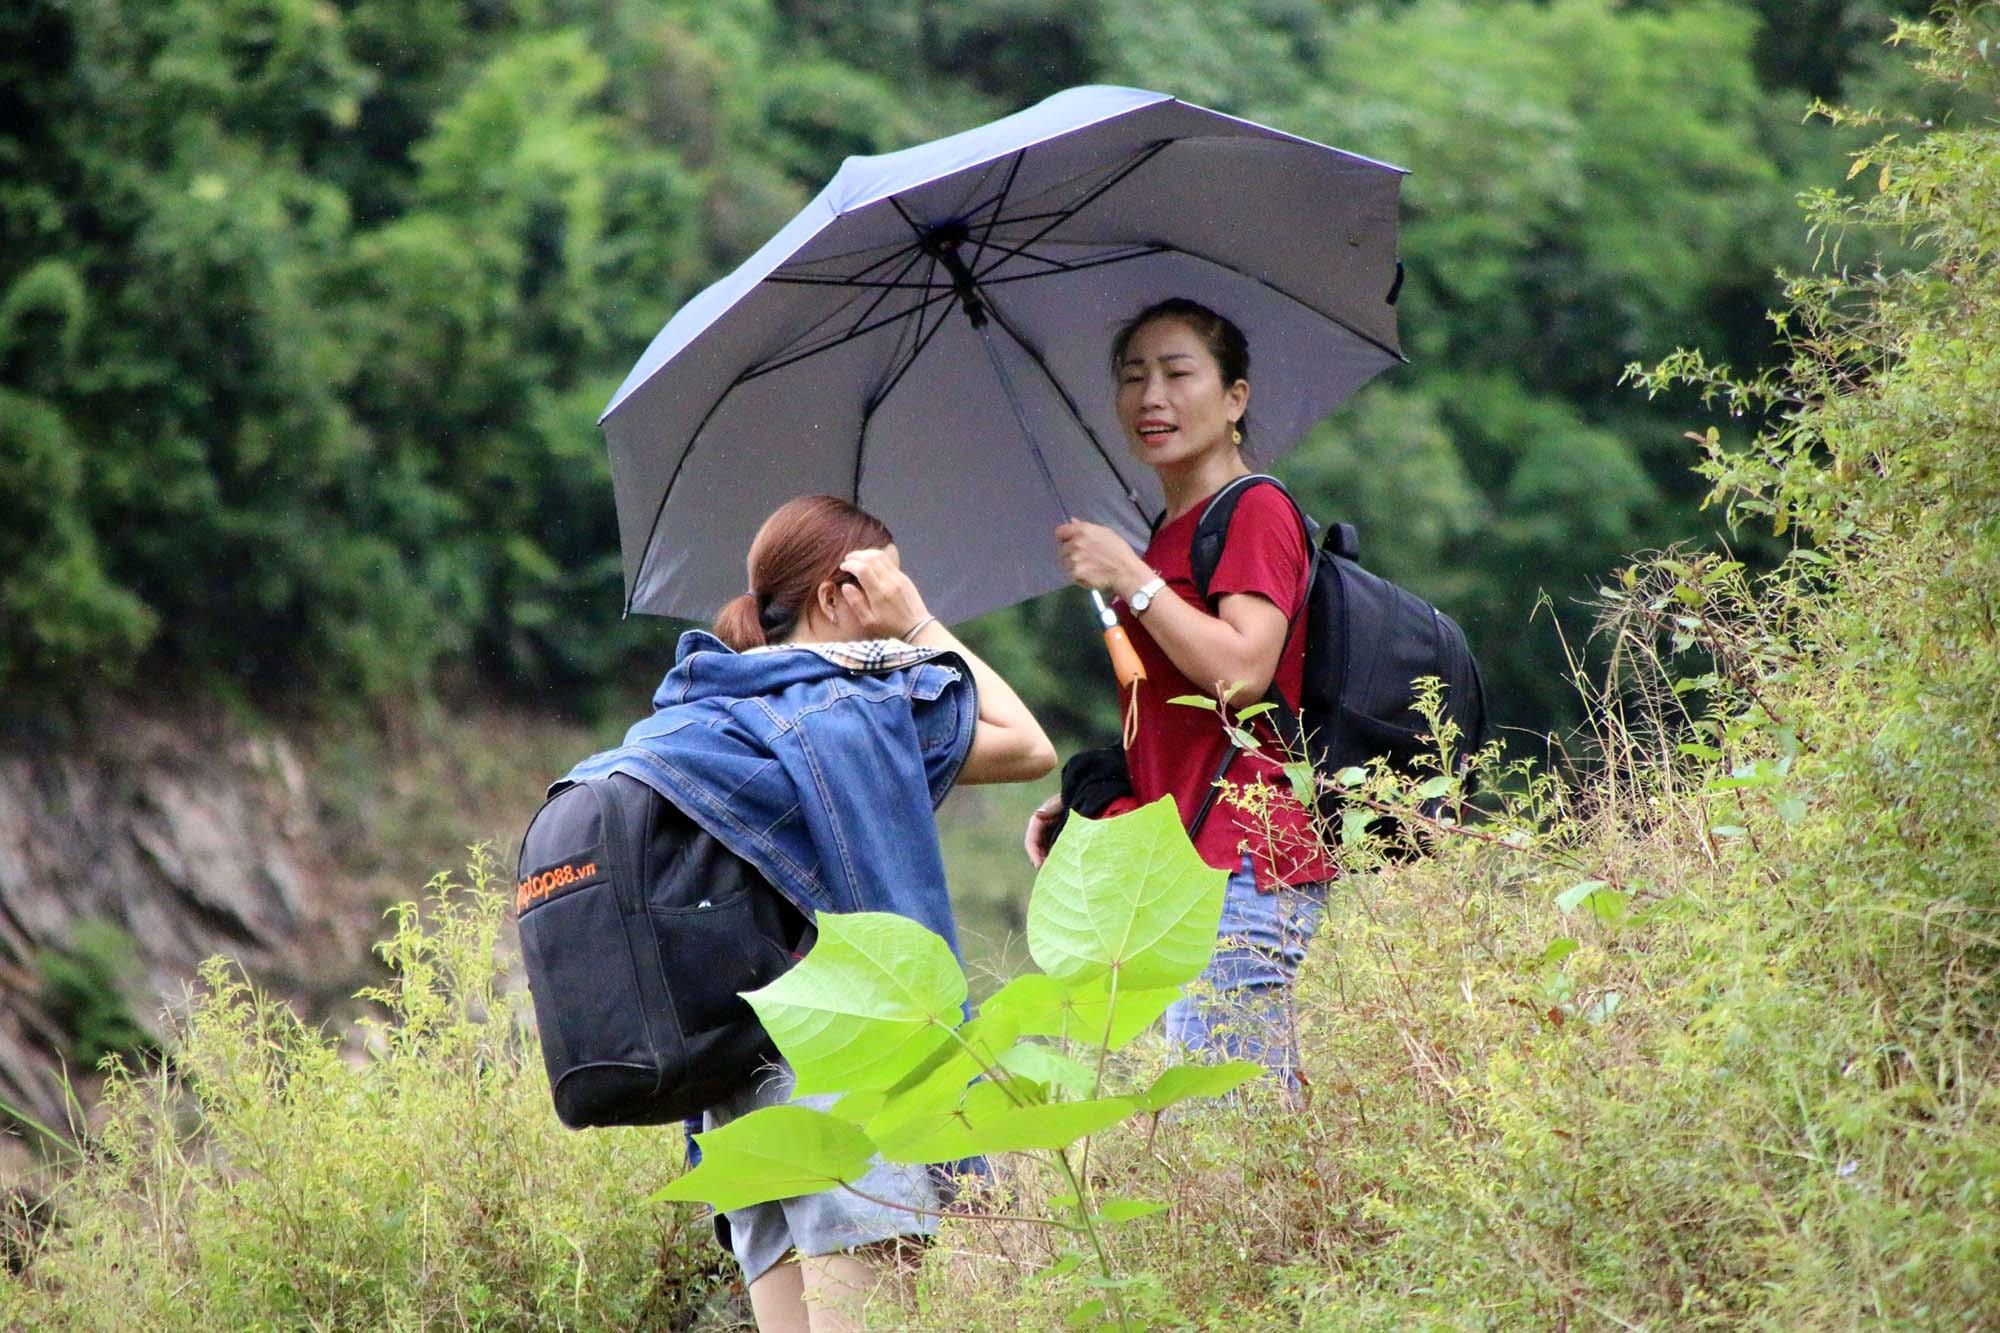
(930, 338)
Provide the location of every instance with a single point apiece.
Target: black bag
(1366, 640)
(639, 929)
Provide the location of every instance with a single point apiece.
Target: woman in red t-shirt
(1183, 391)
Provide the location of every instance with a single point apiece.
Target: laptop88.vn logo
(557, 880)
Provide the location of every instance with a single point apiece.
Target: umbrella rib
(900, 362)
(890, 253)
(1098, 191)
(881, 395)
(998, 202)
(891, 285)
(653, 532)
(1143, 252)
(916, 257)
(1035, 355)
(758, 371)
(1139, 250)
(1270, 286)
(834, 315)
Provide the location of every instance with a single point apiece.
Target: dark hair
(1224, 341)
(799, 548)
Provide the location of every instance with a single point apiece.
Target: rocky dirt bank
(197, 838)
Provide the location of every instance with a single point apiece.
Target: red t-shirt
(1177, 747)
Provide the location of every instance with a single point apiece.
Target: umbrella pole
(1125, 663)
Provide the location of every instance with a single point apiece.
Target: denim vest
(821, 773)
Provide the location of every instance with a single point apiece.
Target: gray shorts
(814, 1224)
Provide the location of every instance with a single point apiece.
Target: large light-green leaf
(989, 1121)
(1126, 893)
(1082, 1011)
(772, 1153)
(876, 997)
(1050, 1067)
(940, 1083)
(1185, 1081)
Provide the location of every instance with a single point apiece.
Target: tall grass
(273, 1176)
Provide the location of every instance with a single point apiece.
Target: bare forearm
(1210, 651)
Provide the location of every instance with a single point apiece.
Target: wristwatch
(1142, 597)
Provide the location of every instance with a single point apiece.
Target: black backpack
(639, 929)
(1366, 640)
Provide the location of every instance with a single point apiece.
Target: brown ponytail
(736, 624)
(798, 549)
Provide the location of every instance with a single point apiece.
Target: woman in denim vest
(876, 709)
(1182, 388)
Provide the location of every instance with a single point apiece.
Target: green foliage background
(307, 307)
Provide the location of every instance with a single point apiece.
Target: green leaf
(1194, 701)
(1185, 1081)
(1045, 1064)
(941, 1082)
(1084, 1313)
(989, 1122)
(1354, 827)
(874, 999)
(775, 1152)
(1572, 898)
(1434, 788)
(1558, 950)
(1062, 1267)
(1305, 783)
(1116, 1211)
(1254, 710)
(1126, 893)
(1351, 776)
(1608, 906)
(1078, 1010)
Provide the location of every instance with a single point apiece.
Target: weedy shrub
(272, 1178)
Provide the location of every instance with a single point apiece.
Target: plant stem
(1104, 1046)
(1090, 1230)
(1000, 1077)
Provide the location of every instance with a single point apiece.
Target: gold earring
(1235, 435)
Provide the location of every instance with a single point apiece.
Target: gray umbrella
(930, 338)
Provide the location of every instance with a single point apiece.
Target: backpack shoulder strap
(1204, 555)
(1211, 530)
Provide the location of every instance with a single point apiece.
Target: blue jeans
(1242, 1004)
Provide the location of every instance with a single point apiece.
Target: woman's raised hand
(1096, 557)
(883, 600)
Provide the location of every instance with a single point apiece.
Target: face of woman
(1172, 402)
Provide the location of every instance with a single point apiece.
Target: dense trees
(307, 308)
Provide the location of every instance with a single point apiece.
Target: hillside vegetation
(1701, 1033)
(307, 309)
